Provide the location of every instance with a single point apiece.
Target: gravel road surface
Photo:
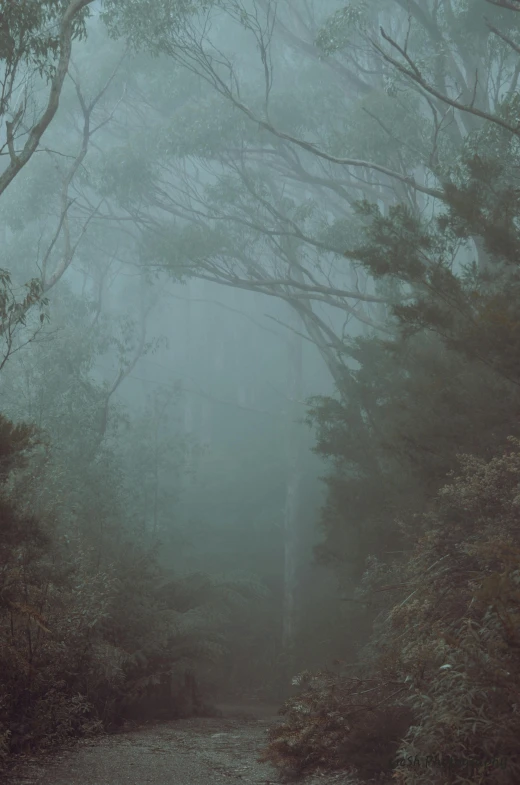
(196, 751)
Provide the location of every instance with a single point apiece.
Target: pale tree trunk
(206, 415)
(241, 388)
(292, 497)
(206, 408)
(483, 258)
(187, 399)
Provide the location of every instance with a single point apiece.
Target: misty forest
(260, 390)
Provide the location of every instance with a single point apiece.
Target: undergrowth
(87, 642)
(436, 698)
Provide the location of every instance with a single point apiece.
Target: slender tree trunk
(208, 326)
(187, 400)
(293, 488)
(483, 259)
(241, 396)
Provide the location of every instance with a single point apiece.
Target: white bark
(187, 400)
(291, 522)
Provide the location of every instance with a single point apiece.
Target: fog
(257, 296)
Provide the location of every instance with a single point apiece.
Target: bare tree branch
(511, 5)
(504, 37)
(201, 63)
(415, 75)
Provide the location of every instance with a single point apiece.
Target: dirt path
(197, 751)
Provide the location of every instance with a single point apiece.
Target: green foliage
(29, 34)
(183, 248)
(460, 662)
(475, 315)
(340, 28)
(378, 129)
(90, 637)
(394, 458)
(439, 679)
(34, 705)
(205, 128)
(16, 318)
(126, 173)
(152, 25)
(93, 628)
(440, 562)
(338, 722)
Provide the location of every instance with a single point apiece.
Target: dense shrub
(89, 638)
(339, 722)
(437, 702)
(456, 636)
